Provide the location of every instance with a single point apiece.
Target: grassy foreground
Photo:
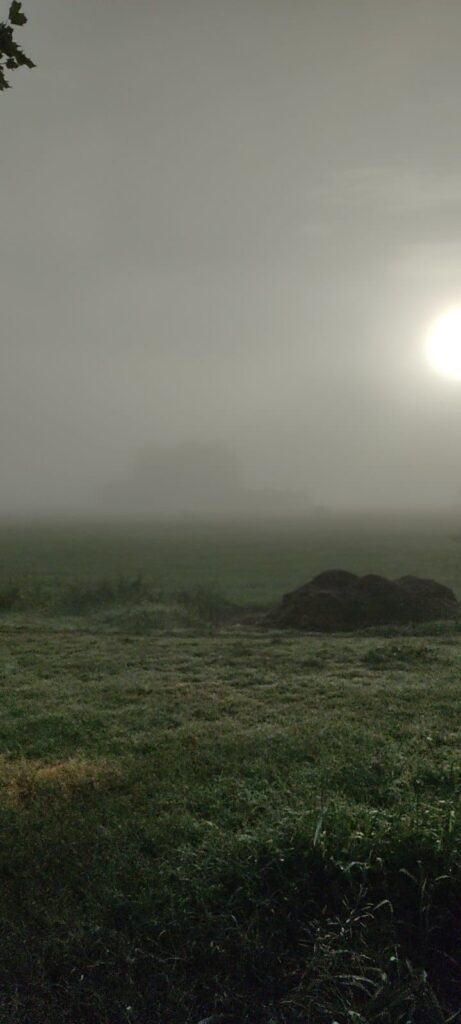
(203, 819)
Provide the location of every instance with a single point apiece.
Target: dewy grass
(199, 818)
(396, 655)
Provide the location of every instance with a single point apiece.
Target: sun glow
(444, 344)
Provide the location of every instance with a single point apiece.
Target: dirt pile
(337, 600)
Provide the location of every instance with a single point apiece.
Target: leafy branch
(11, 55)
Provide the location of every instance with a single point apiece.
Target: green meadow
(203, 819)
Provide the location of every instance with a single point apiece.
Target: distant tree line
(11, 55)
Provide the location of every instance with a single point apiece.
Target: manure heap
(337, 600)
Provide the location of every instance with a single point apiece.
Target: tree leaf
(21, 59)
(15, 15)
(3, 82)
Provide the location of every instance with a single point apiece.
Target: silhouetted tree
(11, 55)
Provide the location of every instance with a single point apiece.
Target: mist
(226, 229)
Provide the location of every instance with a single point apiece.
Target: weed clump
(207, 605)
(23, 594)
(10, 598)
(129, 603)
(82, 598)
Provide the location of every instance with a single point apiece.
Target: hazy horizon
(227, 228)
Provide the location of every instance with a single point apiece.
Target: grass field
(201, 818)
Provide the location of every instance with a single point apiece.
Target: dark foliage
(11, 55)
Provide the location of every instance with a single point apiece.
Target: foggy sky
(231, 220)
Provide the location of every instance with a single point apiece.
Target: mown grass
(201, 818)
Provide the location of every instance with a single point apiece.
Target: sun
(443, 345)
